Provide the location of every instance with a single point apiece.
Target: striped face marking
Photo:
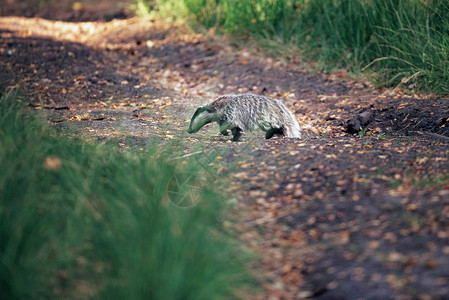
(200, 118)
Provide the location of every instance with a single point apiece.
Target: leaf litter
(333, 215)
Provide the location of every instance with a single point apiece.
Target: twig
(385, 58)
(435, 135)
(187, 155)
(264, 220)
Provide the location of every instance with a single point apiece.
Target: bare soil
(333, 215)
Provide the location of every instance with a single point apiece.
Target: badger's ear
(201, 109)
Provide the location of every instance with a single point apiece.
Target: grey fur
(247, 112)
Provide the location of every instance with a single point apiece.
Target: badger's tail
(292, 130)
(291, 126)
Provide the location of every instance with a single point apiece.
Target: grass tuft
(401, 42)
(85, 220)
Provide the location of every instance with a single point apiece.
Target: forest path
(333, 215)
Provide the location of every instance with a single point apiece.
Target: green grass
(85, 220)
(399, 42)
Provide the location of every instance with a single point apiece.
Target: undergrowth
(83, 220)
(400, 42)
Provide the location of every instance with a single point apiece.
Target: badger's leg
(236, 132)
(224, 126)
(272, 131)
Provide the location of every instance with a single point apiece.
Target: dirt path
(333, 215)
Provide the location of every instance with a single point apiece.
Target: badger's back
(250, 112)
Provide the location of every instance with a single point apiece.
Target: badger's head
(203, 115)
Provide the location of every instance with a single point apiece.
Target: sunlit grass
(400, 42)
(85, 220)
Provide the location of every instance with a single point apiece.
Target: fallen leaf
(52, 163)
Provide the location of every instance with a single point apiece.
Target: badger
(246, 112)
